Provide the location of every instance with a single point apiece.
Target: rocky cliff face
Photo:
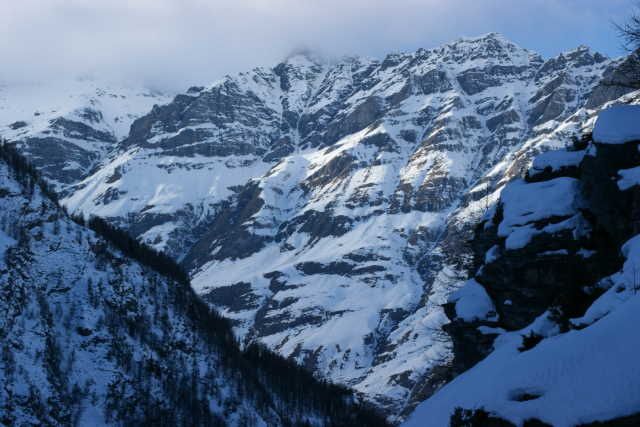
(338, 198)
(556, 273)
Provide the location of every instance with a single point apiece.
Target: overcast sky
(184, 42)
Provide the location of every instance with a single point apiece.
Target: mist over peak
(174, 44)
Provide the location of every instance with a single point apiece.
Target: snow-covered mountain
(67, 126)
(325, 207)
(90, 336)
(554, 303)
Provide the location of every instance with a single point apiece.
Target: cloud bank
(182, 42)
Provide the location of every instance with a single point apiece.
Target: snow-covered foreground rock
(618, 124)
(578, 377)
(338, 197)
(91, 337)
(563, 305)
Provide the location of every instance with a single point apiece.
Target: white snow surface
(37, 103)
(71, 300)
(618, 124)
(472, 302)
(67, 126)
(526, 203)
(555, 160)
(629, 178)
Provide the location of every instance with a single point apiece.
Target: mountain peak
(492, 47)
(310, 180)
(492, 37)
(583, 51)
(581, 56)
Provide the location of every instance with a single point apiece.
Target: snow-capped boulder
(529, 209)
(555, 161)
(617, 125)
(472, 302)
(629, 178)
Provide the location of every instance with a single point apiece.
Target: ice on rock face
(617, 125)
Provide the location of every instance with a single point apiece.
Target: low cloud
(181, 42)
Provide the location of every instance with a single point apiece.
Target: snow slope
(91, 337)
(592, 371)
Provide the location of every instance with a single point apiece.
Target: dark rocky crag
(558, 269)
